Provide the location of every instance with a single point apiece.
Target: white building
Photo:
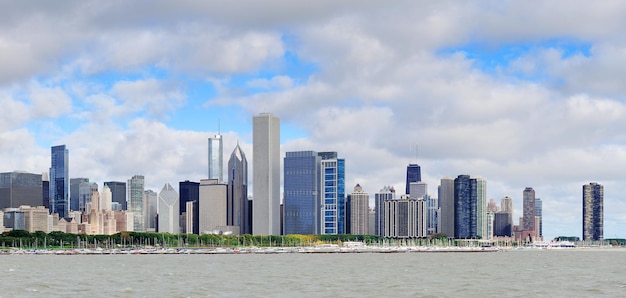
(211, 206)
(266, 175)
(168, 210)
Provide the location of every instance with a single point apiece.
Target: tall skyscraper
(168, 210)
(151, 199)
(593, 212)
(413, 174)
(470, 201)
(506, 206)
(418, 189)
(357, 211)
(387, 193)
(85, 193)
(60, 181)
(20, 188)
(538, 212)
(216, 158)
(528, 224)
(135, 201)
(118, 192)
(212, 206)
(302, 203)
(238, 210)
(266, 174)
(74, 197)
(189, 193)
(446, 204)
(333, 195)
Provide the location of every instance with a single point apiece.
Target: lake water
(527, 273)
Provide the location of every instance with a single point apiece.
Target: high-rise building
(85, 193)
(216, 158)
(189, 196)
(387, 193)
(404, 217)
(266, 174)
(502, 224)
(333, 196)
(60, 181)
(470, 218)
(492, 206)
(118, 192)
(538, 212)
(528, 224)
(357, 210)
(593, 212)
(212, 206)
(506, 206)
(238, 210)
(151, 199)
(413, 174)
(74, 196)
(301, 193)
(20, 188)
(168, 210)
(418, 189)
(135, 202)
(432, 215)
(447, 207)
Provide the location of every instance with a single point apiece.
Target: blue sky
(492, 89)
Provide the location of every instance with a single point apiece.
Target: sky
(521, 93)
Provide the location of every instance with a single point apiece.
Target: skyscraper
(332, 196)
(60, 181)
(413, 174)
(470, 218)
(237, 207)
(593, 212)
(20, 188)
(74, 197)
(387, 193)
(189, 192)
(135, 201)
(538, 212)
(168, 210)
(212, 206)
(357, 211)
(118, 192)
(528, 224)
(266, 174)
(506, 206)
(151, 200)
(216, 158)
(446, 204)
(302, 203)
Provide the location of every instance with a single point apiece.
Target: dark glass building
(301, 193)
(593, 212)
(74, 192)
(118, 193)
(502, 225)
(238, 207)
(18, 188)
(467, 221)
(60, 181)
(413, 174)
(190, 192)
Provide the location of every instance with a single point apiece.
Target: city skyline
(479, 87)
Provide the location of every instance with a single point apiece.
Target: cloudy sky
(522, 93)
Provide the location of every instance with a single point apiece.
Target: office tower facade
(432, 215)
(404, 217)
(470, 204)
(357, 211)
(418, 189)
(37, 218)
(212, 206)
(85, 193)
(216, 158)
(386, 193)
(302, 205)
(14, 219)
(151, 198)
(446, 205)
(506, 206)
(413, 174)
(333, 196)
(538, 212)
(238, 210)
(134, 196)
(266, 174)
(60, 181)
(492, 206)
(528, 223)
(169, 217)
(74, 197)
(118, 192)
(593, 212)
(20, 188)
(502, 224)
(189, 196)
(45, 190)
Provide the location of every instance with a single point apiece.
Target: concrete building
(212, 206)
(37, 218)
(216, 158)
(446, 205)
(135, 203)
(60, 181)
(538, 214)
(418, 189)
(386, 193)
(404, 217)
(528, 224)
(266, 174)
(302, 202)
(506, 206)
(593, 212)
(358, 212)
(239, 211)
(169, 215)
(20, 188)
